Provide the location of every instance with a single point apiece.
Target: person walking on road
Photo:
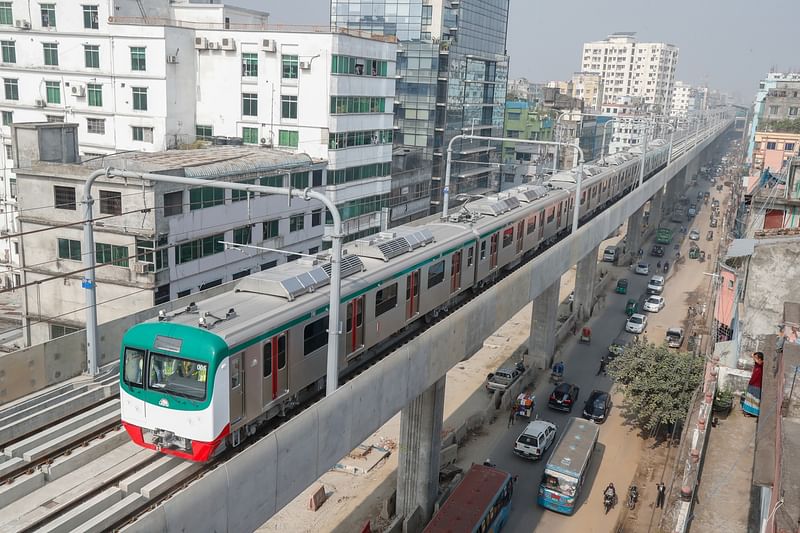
(512, 415)
(662, 492)
(602, 369)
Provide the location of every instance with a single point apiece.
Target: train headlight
(163, 402)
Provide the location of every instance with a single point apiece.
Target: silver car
(636, 324)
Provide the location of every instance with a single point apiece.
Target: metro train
(204, 378)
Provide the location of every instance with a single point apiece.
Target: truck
(503, 378)
(678, 214)
(664, 236)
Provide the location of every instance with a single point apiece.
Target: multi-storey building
(523, 121)
(776, 138)
(684, 100)
(588, 86)
(453, 71)
(523, 90)
(627, 113)
(770, 82)
(157, 74)
(630, 68)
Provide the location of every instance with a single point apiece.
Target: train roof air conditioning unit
(268, 45)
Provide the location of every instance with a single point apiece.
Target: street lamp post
(644, 156)
(603, 144)
(307, 194)
(556, 137)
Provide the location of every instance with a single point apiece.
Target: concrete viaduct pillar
(585, 279)
(635, 234)
(542, 341)
(656, 204)
(418, 463)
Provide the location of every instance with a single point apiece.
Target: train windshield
(176, 376)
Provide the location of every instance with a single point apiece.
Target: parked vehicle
(657, 251)
(631, 307)
(618, 345)
(563, 397)
(503, 378)
(675, 337)
(694, 235)
(535, 439)
(636, 323)
(622, 286)
(710, 235)
(642, 268)
(597, 406)
(713, 223)
(692, 211)
(656, 285)
(654, 304)
(586, 335)
(610, 254)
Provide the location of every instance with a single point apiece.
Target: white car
(643, 269)
(535, 439)
(694, 235)
(654, 304)
(656, 285)
(636, 324)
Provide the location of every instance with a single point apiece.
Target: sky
(726, 44)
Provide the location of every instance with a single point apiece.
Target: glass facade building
(452, 72)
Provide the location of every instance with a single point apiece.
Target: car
(618, 345)
(610, 254)
(706, 194)
(643, 269)
(700, 195)
(657, 251)
(535, 439)
(713, 223)
(597, 406)
(636, 324)
(654, 303)
(694, 235)
(674, 337)
(502, 379)
(714, 203)
(656, 285)
(563, 397)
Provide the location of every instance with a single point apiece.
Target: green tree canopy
(787, 125)
(657, 382)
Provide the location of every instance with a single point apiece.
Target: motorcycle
(609, 499)
(633, 497)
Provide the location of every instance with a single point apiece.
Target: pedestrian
(641, 252)
(512, 415)
(662, 493)
(602, 369)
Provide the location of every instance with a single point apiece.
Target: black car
(597, 406)
(657, 251)
(564, 397)
(618, 345)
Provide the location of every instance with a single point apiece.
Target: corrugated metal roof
(741, 248)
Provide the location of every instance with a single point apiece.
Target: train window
(531, 224)
(282, 352)
(435, 274)
(315, 335)
(181, 377)
(483, 250)
(385, 299)
(470, 256)
(508, 237)
(134, 361)
(551, 215)
(267, 351)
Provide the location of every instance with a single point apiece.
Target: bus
(568, 466)
(479, 504)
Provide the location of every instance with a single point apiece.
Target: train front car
(173, 391)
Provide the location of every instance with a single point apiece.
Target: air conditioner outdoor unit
(22, 24)
(212, 45)
(78, 90)
(228, 44)
(39, 102)
(305, 65)
(200, 43)
(172, 59)
(268, 45)
(141, 268)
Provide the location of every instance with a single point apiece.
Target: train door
(275, 372)
(412, 295)
(455, 271)
(558, 214)
(493, 251)
(237, 388)
(520, 235)
(541, 224)
(355, 324)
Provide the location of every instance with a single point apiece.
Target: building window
(249, 65)
(250, 135)
(151, 256)
(427, 15)
(9, 52)
(57, 330)
(48, 15)
(289, 67)
(268, 265)
(316, 178)
(241, 274)
(204, 133)
(210, 284)
(270, 230)
(8, 118)
(346, 175)
(142, 134)
(288, 138)
(243, 235)
(359, 66)
(95, 94)
(296, 222)
(139, 98)
(788, 146)
(792, 111)
(357, 104)
(90, 18)
(54, 118)
(161, 295)
(315, 336)
(181, 294)
(299, 180)
(53, 92)
(11, 87)
(203, 197)
(6, 14)
(250, 104)
(773, 110)
(240, 196)
(69, 249)
(9, 155)
(385, 299)
(109, 253)
(138, 59)
(196, 249)
(350, 139)
(50, 54)
(96, 125)
(288, 106)
(272, 181)
(110, 202)
(91, 53)
(173, 203)
(771, 145)
(64, 197)
(316, 218)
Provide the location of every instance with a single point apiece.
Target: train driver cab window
(483, 250)
(134, 361)
(179, 377)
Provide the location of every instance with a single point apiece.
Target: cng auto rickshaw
(631, 307)
(622, 286)
(694, 252)
(586, 335)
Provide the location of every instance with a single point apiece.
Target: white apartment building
(158, 74)
(628, 113)
(630, 68)
(154, 241)
(684, 100)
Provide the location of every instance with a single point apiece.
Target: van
(610, 254)
(535, 439)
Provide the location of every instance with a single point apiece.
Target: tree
(657, 382)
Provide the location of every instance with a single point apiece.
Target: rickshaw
(525, 404)
(622, 286)
(710, 235)
(557, 373)
(586, 335)
(702, 255)
(631, 307)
